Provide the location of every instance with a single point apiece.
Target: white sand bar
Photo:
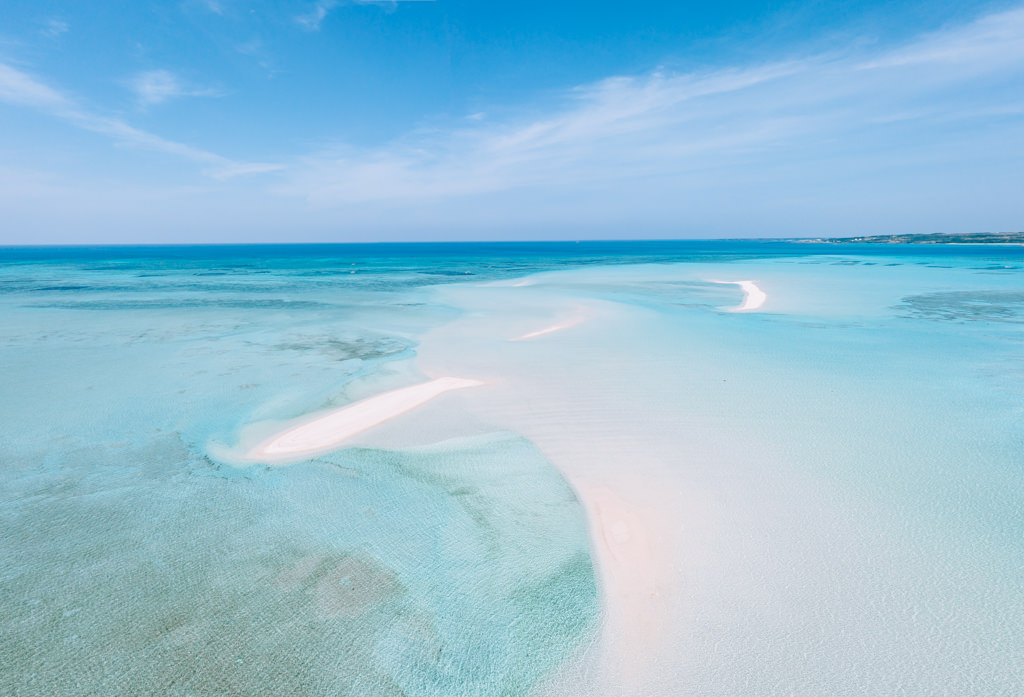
(335, 427)
(753, 298)
(549, 330)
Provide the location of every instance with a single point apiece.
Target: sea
(829, 488)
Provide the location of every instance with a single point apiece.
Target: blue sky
(324, 120)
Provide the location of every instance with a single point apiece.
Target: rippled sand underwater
(829, 488)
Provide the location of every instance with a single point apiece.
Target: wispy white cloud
(311, 20)
(153, 87)
(318, 12)
(252, 47)
(680, 132)
(990, 43)
(213, 6)
(53, 28)
(21, 89)
(923, 136)
(256, 50)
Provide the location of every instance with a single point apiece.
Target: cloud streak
(21, 89)
(923, 136)
(54, 28)
(158, 86)
(925, 101)
(314, 18)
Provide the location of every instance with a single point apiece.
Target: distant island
(932, 238)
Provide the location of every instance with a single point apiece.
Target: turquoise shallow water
(860, 448)
(863, 441)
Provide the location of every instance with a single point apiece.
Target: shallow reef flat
(644, 492)
(462, 569)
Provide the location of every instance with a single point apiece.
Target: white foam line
(753, 297)
(335, 427)
(548, 330)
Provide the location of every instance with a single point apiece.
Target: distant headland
(931, 238)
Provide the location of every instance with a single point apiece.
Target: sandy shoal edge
(329, 430)
(557, 327)
(753, 296)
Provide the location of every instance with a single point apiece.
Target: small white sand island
(571, 322)
(753, 297)
(329, 430)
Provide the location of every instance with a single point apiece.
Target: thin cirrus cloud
(213, 6)
(926, 133)
(314, 18)
(53, 28)
(21, 89)
(936, 100)
(154, 87)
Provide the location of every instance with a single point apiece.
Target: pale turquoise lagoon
(850, 458)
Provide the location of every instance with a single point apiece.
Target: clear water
(859, 444)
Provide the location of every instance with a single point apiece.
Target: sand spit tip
(329, 430)
(753, 297)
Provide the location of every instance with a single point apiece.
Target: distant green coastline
(932, 238)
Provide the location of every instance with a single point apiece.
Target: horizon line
(509, 241)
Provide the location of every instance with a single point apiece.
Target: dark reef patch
(965, 306)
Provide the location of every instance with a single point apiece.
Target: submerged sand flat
(666, 499)
(606, 446)
(663, 434)
(694, 471)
